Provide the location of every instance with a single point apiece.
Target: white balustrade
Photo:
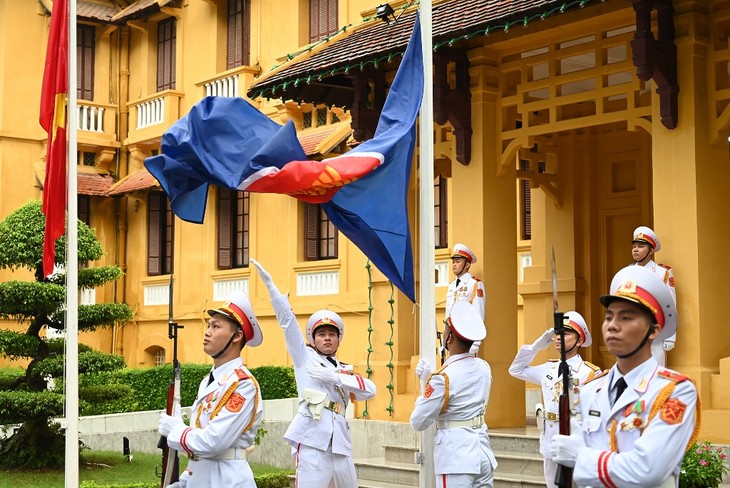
(442, 273)
(90, 118)
(320, 283)
(151, 112)
(157, 294)
(223, 288)
(223, 87)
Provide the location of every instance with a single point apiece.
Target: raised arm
(520, 367)
(295, 343)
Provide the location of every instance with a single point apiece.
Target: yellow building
(558, 125)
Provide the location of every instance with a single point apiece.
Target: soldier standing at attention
(638, 418)
(455, 398)
(319, 433)
(465, 286)
(643, 246)
(577, 335)
(227, 411)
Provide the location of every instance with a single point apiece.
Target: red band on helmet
(242, 319)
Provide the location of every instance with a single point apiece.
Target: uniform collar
(224, 369)
(638, 378)
(463, 278)
(456, 357)
(651, 264)
(575, 363)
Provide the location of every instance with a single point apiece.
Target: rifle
(564, 474)
(170, 459)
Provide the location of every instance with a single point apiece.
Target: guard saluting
(638, 418)
(576, 335)
(455, 398)
(465, 287)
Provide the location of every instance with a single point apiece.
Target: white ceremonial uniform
(664, 273)
(470, 289)
(639, 441)
(546, 375)
(224, 419)
(322, 445)
(456, 398)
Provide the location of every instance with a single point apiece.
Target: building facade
(558, 125)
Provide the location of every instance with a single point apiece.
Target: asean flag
(229, 143)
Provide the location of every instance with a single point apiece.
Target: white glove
(266, 278)
(323, 375)
(167, 423)
(564, 449)
(423, 368)
(668, 345)
(544, 341)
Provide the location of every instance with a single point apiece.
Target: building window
(160, 232)
(525, 205)
(166, 37)
(85, 42)
(322, 19)
(84, 209)
(233, 228)
(306, 120)
(160, 357)
(239, 33)
(440, 212)
(320, 234)
(321, 117)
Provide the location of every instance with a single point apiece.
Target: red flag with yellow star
(53, 121)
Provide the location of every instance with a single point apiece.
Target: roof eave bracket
(454, 104)
(657, 58)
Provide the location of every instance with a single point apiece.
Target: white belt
(474, 423)
(232, 454)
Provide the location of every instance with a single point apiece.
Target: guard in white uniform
(455, 397)
(643, 246)
(227, 411)
(576, 335)
(319, 434)
(638, 418)
(465, 287)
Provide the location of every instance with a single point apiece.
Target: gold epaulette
(665, 266)
(672, 375)
(594, 375)
(592, 366)
(553, 360)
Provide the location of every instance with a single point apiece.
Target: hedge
(268, 480)
(148, 387)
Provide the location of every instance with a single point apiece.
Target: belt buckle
(335, 407)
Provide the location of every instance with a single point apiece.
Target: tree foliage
(27, 398)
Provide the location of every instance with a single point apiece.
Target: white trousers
(549, 467)
(484, 479)
(324, 469)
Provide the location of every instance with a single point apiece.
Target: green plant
(703, 466)
(260, 433)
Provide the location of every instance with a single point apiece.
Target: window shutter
(246, 28)
(311, 231)
(331, 26)
(224, 229)
(444, 212)
(169, 236)
(153, 234)
(85, 55)
(314, 20)
(166, 54)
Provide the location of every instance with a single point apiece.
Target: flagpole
(72, 264)
(426, 478)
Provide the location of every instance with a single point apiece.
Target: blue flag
(229, 143)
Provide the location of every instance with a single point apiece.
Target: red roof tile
(361, 46)
(141, 180)
(312, 139)
(93, 183)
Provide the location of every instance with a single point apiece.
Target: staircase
(516, 450)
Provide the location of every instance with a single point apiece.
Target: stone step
(503, 480)
(518, 464)
(400, 454)
(381, 470)
(523, 441)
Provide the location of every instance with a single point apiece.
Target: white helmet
(324, 317)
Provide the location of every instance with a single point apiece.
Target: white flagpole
(427, 478)
(72, 265)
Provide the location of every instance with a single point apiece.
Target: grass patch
(103, 468)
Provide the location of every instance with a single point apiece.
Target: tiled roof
(322, 140)
(452, 19)
(141, 180)
(95, 11)
(93, 183)
(139, 9)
